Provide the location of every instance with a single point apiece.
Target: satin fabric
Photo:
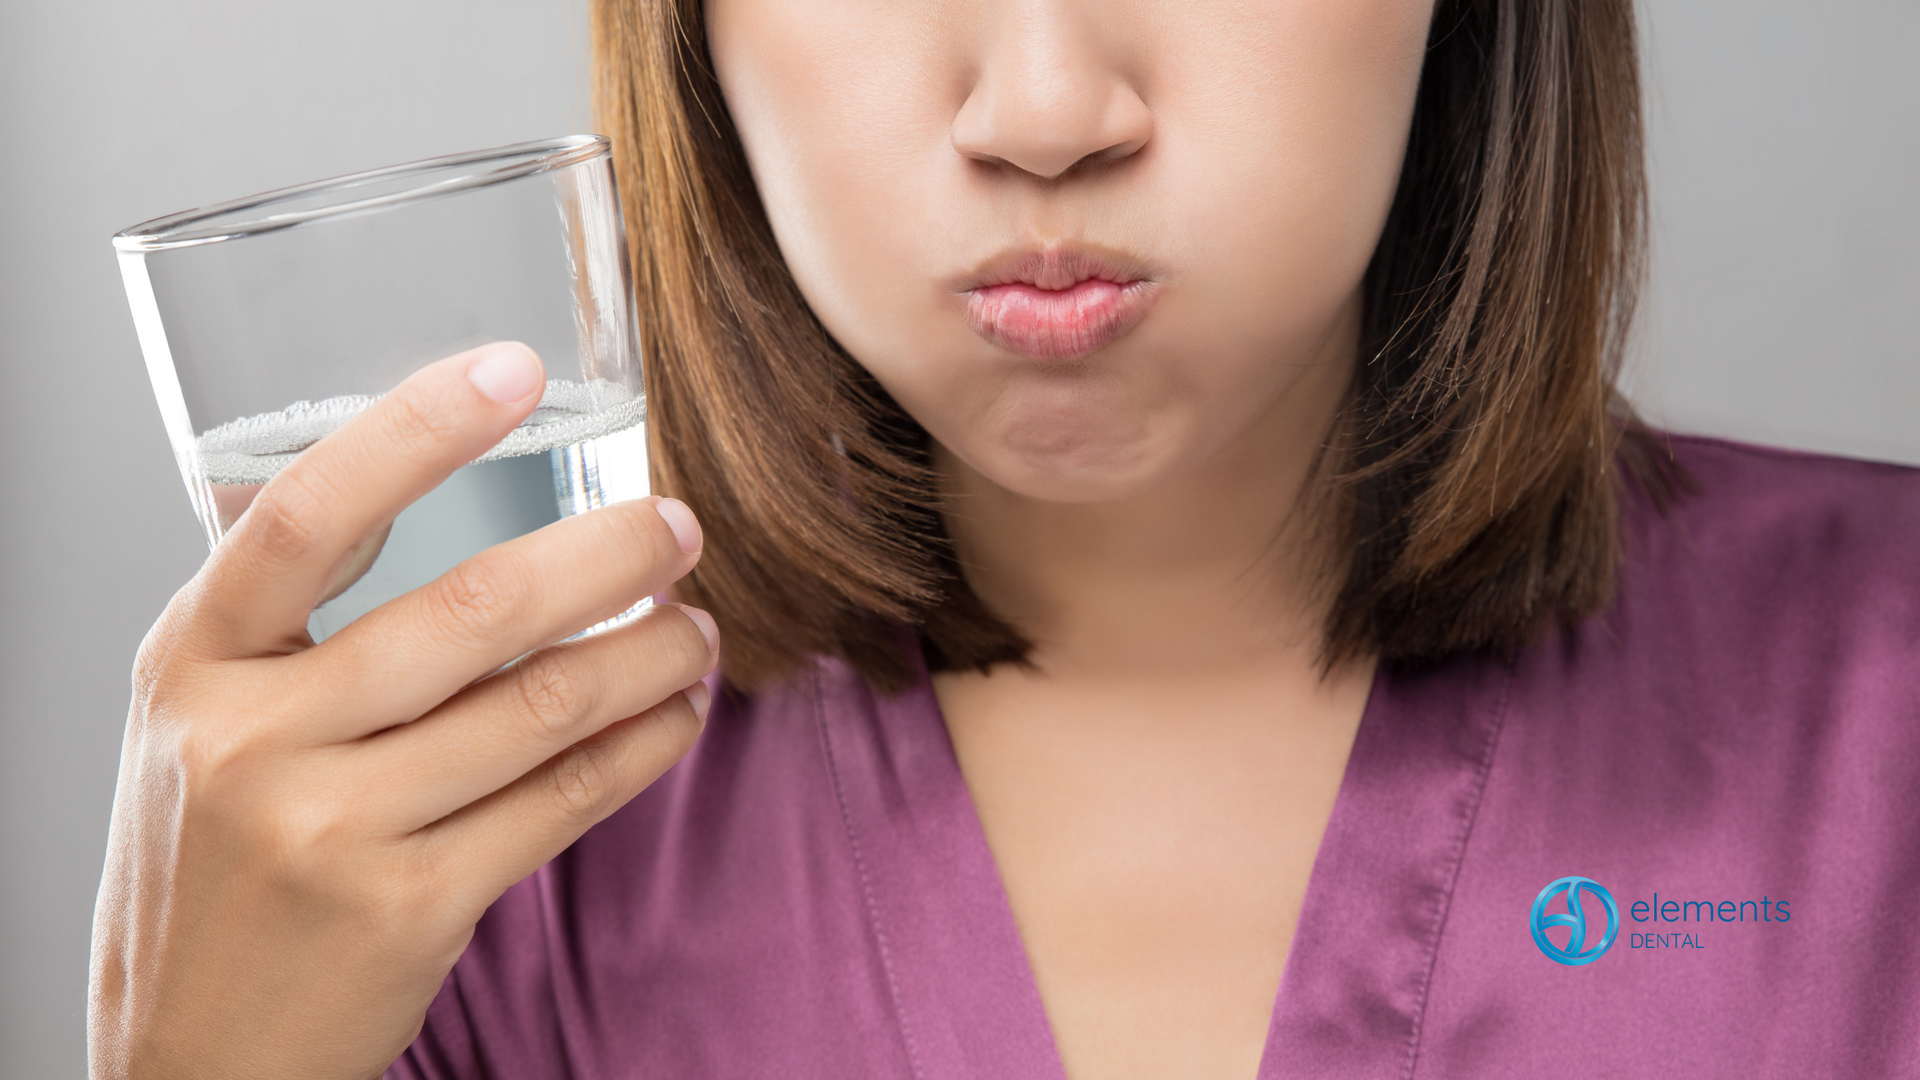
(809, 894)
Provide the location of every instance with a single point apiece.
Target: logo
(1575, 953)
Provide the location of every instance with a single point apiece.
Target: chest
(1155, 849)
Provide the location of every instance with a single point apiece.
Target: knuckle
(173, 655)
(288, 519)
(411, 909)
(226, 763)
(309, 839)
(477, 597)
(211, 757)
(552, 693)
(580, 782)
(153, 667)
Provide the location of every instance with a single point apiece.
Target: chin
(1070, 485)
(1066, 466)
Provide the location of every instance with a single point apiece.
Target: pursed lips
(1059, 302)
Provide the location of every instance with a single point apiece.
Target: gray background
(1785, 153)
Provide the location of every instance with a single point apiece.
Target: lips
(1057, 303)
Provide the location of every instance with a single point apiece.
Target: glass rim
(252, 215)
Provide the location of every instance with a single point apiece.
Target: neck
(1213, 569)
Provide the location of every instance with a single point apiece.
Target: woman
(1192, 599)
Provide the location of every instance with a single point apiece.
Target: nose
(1050, 93)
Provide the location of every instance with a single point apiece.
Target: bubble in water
(253, 449)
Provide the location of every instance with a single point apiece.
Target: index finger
(307, 523)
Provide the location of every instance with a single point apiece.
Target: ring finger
(495, 731)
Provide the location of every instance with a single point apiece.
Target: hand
(305, 835)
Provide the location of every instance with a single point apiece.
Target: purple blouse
(1732, 753)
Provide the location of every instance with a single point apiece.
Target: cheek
(1282, 156)
(844, 108)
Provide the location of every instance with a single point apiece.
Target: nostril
(1049, 126)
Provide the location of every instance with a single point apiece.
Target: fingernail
(506, 372)
(686, 528)
(699, 698)
(708, 628)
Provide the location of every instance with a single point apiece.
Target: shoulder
(1764, 640)
(1762, 538)
(1746, 496)
(1759, 665)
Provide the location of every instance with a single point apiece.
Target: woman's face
(1088, 244)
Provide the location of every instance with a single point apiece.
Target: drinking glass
(269, 321)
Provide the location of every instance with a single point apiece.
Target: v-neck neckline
(1355, 984)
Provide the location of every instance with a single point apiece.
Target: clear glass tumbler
(268, 321)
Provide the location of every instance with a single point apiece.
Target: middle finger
(403, 658)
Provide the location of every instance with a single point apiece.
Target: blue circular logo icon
(1575, 953)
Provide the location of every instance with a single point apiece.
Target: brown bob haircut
(1475, 468)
